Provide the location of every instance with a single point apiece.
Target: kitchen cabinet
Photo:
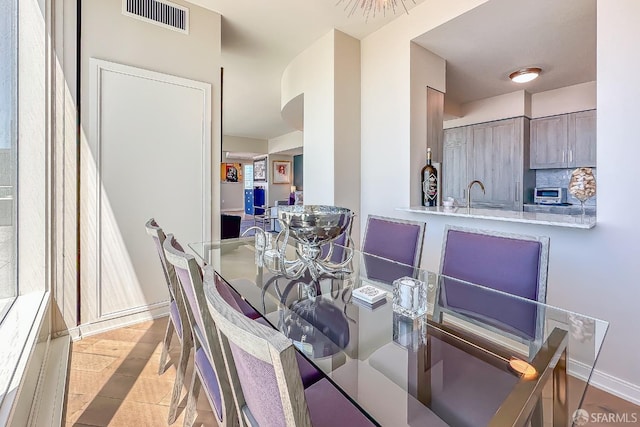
(564, 141)
(497, 158)
(454, 164)
(495, 153)
(582, 139)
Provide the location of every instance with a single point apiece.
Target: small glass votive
(409, 297)
(409, 333)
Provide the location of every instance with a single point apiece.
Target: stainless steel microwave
(550, 195)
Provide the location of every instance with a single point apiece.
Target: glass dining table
(477, 357)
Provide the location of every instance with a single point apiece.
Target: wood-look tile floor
(114, 381)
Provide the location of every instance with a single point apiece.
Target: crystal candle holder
(409, 297)
(409, 333)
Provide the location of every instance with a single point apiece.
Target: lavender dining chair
(177, 319)
(209, 366)
(472, 391)
(511, 263)
(262, 367)
(392, 248)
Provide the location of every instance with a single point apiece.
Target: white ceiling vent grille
(163, 13)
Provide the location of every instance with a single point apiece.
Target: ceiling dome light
(525, 74)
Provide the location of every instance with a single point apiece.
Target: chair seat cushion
(308, 373)
(329, 407)
(175, 318)
(209, 380)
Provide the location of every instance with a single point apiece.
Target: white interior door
(148, 155)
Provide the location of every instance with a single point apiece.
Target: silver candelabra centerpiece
(313, 228)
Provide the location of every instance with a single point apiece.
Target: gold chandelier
(373, 7)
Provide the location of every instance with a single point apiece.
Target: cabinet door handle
(570, 156)
(517, 192)
(562, 156)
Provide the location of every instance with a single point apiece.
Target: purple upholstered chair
(177, 319)
(396, 240)
(209, 366)
(262, 368)
(512, 264)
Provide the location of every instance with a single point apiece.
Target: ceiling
(481, 47)
(259, 40)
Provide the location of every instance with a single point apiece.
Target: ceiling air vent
(163, 13)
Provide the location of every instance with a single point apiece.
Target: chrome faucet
(469, 191)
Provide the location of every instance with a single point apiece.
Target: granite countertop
(560, 209)
(540, 218)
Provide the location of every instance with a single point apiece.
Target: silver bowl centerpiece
(314, 225)
(313, 228)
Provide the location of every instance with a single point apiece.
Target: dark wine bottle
(429, 177)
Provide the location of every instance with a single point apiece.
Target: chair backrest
(204, 334)
(395, 239)
(391, 248)
(155, 231)
(261, 364)
(511, 263)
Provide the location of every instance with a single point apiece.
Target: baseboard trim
(89, 329)
(613, 385)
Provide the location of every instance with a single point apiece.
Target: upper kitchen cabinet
(582, 139)
(549, 142)
(564, 141)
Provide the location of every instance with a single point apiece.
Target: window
(8, 154)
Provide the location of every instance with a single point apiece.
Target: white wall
(243, 145)
(512, 104)
(109, 35)
(594, 272)
(288, 141)
(564, 100)
(611, 269)
(568, 99)
(328, 74)
(386, 106)
(346, 151)
(427, 70)
(311, 74)
(232, 196)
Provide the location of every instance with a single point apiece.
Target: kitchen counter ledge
(539, 218)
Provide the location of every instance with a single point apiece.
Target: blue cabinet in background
(259, 200)
(248, 202)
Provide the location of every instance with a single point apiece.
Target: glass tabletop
(477, 356)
